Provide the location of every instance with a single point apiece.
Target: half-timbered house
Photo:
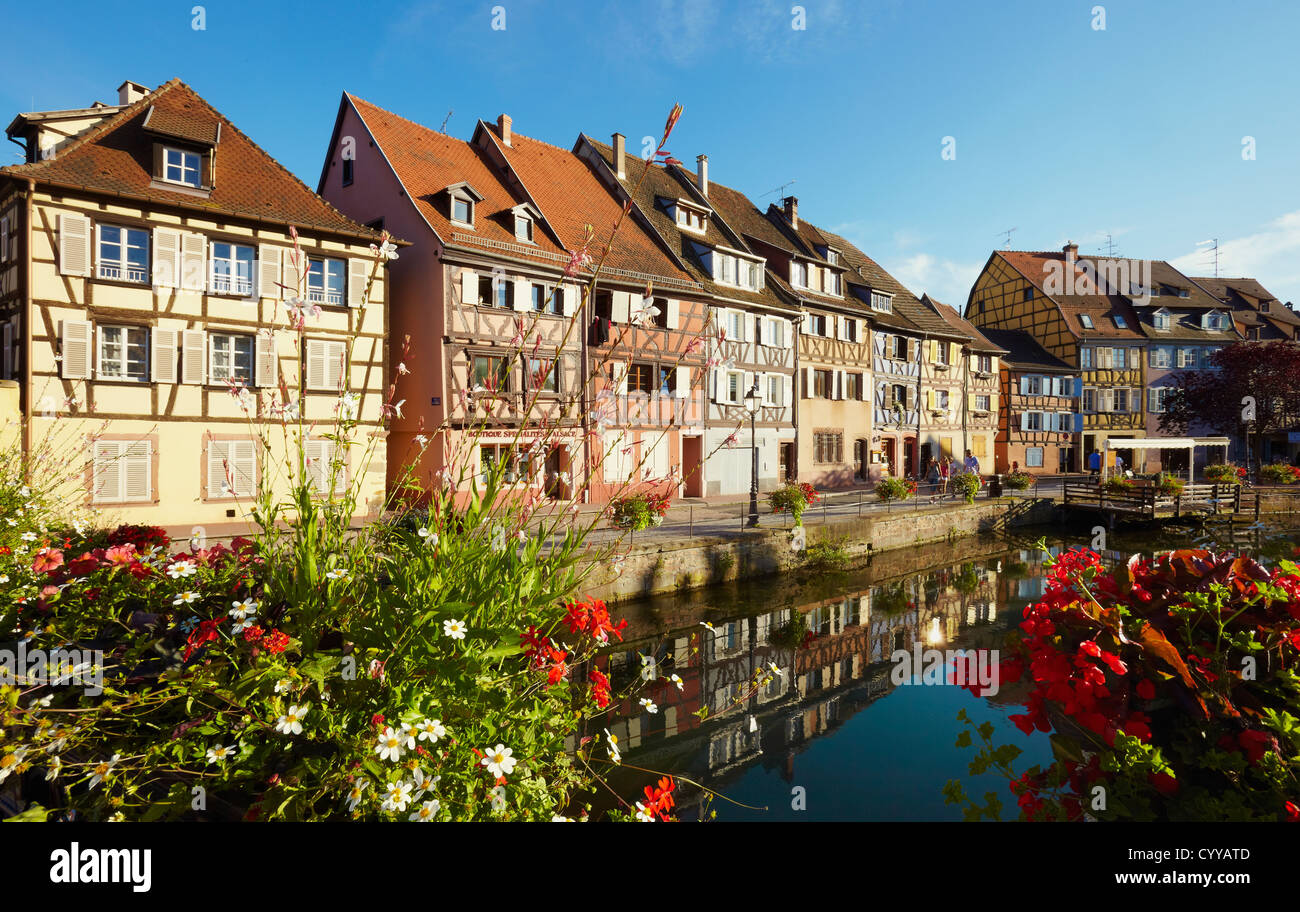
(148, 255)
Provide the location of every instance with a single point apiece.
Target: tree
(1265, 375)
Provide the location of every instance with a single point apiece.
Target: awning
(1164, 443)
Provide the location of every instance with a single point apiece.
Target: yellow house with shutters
(149, 285)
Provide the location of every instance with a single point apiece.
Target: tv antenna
(1212, 248)
(443, 128)
(780, 189)
(1110, 245)
(1006, 244)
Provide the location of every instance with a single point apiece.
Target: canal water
(785, 708)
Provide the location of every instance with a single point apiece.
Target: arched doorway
(889, 445)
(860, 451)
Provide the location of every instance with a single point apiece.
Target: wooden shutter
(468, 286)
(807, 383)
(107, 472)
(137, 481)
(7, 354)
(621, 306)
(194, 262)
(358, 276)
(569, 302)
(673, 313)
(245, 468)
(4, 239)
(839, 385)
(316, 364)
(523, 295)
(683, 381)
(163, 356)
(218, 457)
(788, 384)
(166, 257)
(194, 356)
(295, 275)
(316, 452)
(264, 361)
(335, 352)
(74, 244)
(268, 271)
(715, 384)
(76, 349)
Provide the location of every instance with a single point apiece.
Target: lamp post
(753, 402)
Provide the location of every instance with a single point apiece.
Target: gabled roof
(655, 184)
(428, 163)
(571, 197)
(116, 158)
(1246, 297)
(978, 341)
(1036, 266)
(1024, 353)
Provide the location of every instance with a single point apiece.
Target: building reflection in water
(832, 653)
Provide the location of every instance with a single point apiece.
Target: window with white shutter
(325, 364)
(268, 271)
(163, 362)
(122, 471)
(76, 349)
(319, 454)
(74, 244)
(231, 468)
(264, 368)
(194, 262)
(167, 266)
(194, 355)
(358, 278)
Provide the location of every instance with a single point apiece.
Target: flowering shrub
(1168, 485)
(1118, 484)
(1017, 481)
(1170, 685)
(895, 488)
(1279, 473)
(967, 484)
(1225, 474)
(793, 498)
(639, 511)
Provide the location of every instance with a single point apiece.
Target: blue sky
(1062, 130)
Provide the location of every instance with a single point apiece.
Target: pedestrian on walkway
(1094, 463)
(972, 464)
(945, 472)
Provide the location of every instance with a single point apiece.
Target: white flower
(431, 730)
(397, 795)
(182, 568)
(354, 796)
(498, 798)
(649, 705)
(642, 815)
(338, 573)
(103, 769)
(498, 539)
(24, 491)
(454, 629)
(645, 312)
(385, 251)
(284, 685)
(677, 681)
(27, 536)
(185, 598)
(390, 745)
(612, 746)
(242, 614)
(407, 735)
(427, 812)
(56, 766)
(3, 578)
(219, 753)
(422, 783)
(291, 721)
(558, 818)
(778, 672)
(708, 626)
(348, 404)
(430, 537)
(499, 761)
(421, 440)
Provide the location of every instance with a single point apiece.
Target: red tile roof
(116, 157)
(428, 162)
(571, 197)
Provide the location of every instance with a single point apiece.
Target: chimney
(792, 210)
(130, 92)
(620, 152)
(1071, 251)
(702, 162)
(503, 127)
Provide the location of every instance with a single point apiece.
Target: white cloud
(1271, 255)
(946, 280)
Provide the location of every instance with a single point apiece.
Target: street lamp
(752, 403)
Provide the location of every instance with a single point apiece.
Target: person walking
(932, 477)
(1094, 463)
(972, 464)
(945, 471)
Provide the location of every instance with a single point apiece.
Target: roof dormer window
(181, 167)
(1214, 321)
(688, 216)
(881, 302)
(1120, 322)
(461, 201)
(1086, 321)
(1160, 319)
(798, 274)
